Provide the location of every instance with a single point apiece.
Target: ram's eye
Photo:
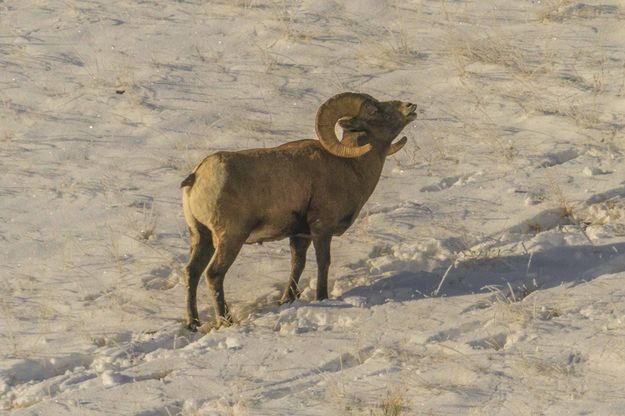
(370, 109)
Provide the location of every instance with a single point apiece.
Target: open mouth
(412, 111)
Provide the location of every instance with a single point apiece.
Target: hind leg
(226, 250)
(201, 252)
(299, 246)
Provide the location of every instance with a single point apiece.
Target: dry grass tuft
(553, 11)
(393, 404)
(144, 223)
(493, 50)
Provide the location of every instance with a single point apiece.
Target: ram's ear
(351, 124)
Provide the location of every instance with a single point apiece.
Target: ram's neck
(367, 167)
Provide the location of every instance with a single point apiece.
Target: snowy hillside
(484, 276)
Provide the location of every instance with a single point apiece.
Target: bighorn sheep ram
(306, 190)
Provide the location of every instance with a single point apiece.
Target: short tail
(189, 181)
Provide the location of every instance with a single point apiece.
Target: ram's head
(380, 121)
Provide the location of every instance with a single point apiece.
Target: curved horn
(396, 147)
(341, 105)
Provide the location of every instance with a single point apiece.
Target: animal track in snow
(408, 208)
(449, 182)
(454, 333)
(585, 11)
(495, 342)
(38, 370)
(543, 221)
(301, 382)
(161, 278)
(294, 320)
(347, 360)
(558, 158)
(31, 381)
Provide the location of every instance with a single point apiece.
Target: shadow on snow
(546, 269)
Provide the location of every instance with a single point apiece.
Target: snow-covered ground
(485, 275)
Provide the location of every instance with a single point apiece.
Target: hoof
(289, 297)
(284, 301)
(193, 326)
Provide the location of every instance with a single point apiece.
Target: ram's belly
(272, 229)
(265, 234)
